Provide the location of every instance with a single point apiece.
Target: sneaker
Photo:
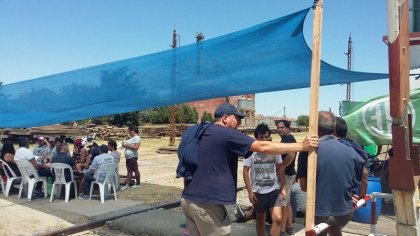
(83, 197)
(283, 234)
(289, 230)
(136, 186)
(240, 215)
(125, 187)
(38, 193)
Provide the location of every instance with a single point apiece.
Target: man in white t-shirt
(264, 191)
(24, 154)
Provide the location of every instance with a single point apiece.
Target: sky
(44, 37)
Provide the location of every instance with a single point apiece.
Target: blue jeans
(86, 182)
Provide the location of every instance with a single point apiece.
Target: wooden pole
(313, 112)
(401, 180)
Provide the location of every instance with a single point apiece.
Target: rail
(317, 229)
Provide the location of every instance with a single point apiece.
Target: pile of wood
(51, 132)
(107, 132)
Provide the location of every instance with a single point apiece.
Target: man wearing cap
(90, 174)
(215, 180)
(42, 149)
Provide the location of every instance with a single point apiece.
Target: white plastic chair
(10, 179)
(105, 177)
(59, 172)
(30, 177)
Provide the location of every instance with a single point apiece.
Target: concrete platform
(154, 222)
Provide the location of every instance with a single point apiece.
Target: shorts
(268, 200)
(206, 219)
(290, 180)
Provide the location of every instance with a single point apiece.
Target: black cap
(227, 109)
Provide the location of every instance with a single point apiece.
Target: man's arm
(273, 148)
(364, 183)
(247, 181)
(290, 157)
(282, 178)
(302, 182)
(35, 164)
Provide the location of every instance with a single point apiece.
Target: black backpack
(188, 151)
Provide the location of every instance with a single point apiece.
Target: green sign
(369, 122)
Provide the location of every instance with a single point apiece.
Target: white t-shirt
(130, 152)
(263, 172)
(24, 154)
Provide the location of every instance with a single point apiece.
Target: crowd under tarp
(271, 56)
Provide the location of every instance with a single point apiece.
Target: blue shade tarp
(268, 57)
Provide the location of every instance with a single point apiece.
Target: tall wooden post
(313, 113)
(401, 180)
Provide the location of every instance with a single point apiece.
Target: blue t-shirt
(215, 179)
(335, 176)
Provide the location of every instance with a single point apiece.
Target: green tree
(207, 117)
(186, 114)
(303, 120)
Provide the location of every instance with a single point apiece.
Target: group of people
(85, 161)
(269, 174)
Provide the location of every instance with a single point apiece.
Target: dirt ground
(158, 174)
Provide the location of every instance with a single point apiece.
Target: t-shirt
(42, 150)
(336, 170)
(215, 180)
(116, 156)
(130, 152)
(290, 169)
(263, 172)
(23, 154)
(66, 159)
(99, 161)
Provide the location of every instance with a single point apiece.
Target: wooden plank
(399, 54)
(313, 113)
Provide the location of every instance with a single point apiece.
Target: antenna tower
(349, 54)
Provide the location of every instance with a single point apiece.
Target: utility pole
(349, 54)
(172, 108)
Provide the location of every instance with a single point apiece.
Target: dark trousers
(336, 223)
(132, 166)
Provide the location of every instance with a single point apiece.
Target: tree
(207, 117)
(303, 120)
(186, 114)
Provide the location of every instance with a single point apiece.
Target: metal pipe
(98, 223)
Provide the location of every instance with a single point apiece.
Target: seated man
(24, 154)
(42, 149)
(63, 156)
(91, 174)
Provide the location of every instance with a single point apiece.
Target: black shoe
(289, 230)
(38, 193)
(300, 214)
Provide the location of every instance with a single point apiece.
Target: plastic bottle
(49, 185)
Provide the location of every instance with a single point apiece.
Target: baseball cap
(227, 109)
(41, 138)
(78, 142)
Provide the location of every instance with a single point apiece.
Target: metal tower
(349, 54)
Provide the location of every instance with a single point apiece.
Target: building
(244, 103)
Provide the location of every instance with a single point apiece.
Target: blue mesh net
(271, 56)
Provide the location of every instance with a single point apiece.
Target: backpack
(188, 150)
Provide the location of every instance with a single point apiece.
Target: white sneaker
(136, 186)
(125, 187)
